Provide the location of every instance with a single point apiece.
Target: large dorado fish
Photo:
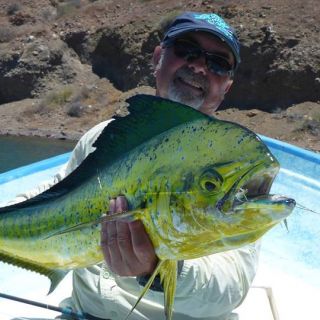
(198, 184)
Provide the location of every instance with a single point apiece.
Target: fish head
(224, 200)
(233, 208)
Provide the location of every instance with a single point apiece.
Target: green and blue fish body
(199, 185)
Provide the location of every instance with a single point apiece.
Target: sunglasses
(215, 63)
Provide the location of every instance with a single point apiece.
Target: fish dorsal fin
(148, 116)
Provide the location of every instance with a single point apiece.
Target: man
(194, 65)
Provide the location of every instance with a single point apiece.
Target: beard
(188, 88)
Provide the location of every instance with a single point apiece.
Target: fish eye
(209, 185)
(210, 181)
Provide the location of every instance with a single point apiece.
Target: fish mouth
(254, 183)
(264, 202)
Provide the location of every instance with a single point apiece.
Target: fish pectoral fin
(128, 216)
(77, 227)
(168, 275)
(147, 286)
(168, 270)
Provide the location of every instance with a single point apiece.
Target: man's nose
(198, 65)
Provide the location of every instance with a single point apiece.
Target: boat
(287, 285)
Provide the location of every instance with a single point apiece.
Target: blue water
(19, 151)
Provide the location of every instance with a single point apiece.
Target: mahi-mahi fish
(199, 185)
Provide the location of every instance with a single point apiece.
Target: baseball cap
(208, 22)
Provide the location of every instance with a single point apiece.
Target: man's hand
(126, 246)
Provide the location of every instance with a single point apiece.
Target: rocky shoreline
(67, 65)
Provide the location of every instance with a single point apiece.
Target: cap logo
(217, 22)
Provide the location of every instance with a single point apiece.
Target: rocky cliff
(65, 65)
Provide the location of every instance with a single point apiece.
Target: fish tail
(168, 275)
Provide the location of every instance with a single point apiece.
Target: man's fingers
(112, 206)
(129, 260)
(111, 252)
(121, 204)
(109, 245)
(126, 246)
(142, 245)
(115, 238)
(104, 242)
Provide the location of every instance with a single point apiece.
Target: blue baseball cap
(207, 22)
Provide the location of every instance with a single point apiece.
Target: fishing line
(300, 206)
(99, 182)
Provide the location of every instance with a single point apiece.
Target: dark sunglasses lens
(215, 63)
(185, 50)
(218, 65)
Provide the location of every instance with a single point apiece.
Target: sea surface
(19, 151)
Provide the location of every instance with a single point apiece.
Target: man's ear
(228, 86)
(156, 56)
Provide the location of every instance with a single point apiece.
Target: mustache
(196, 79)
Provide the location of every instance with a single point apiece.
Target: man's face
(190, 82)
